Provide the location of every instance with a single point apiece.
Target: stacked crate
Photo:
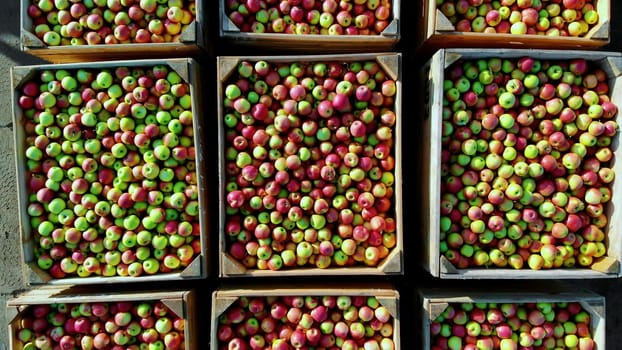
(459, 250)
(110, 158)
(243, 251)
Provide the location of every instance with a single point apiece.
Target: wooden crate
(222, 299)
(320, 44)
(191, 43)
(436, 32)
(435, 302)
(393, 263)
(190, 71)
(182, 303)
(433, 76)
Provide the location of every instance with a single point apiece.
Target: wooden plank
(61, 54)
(428, 20)
(237, 270)
(200, 268)
(433, 71)
(497, 273)
(314, 43)
(190, 71)
(393, 264)
(614, 241)
(12, 315)
(36, 296)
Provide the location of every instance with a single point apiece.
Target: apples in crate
(328, 17)
(523, 24)
(527, 163)
(310, 159)
(538, 173)
(322, 26)
(108, 167)
(79, 30)
(58, 318)
(551, 18)
(508, 321)
(299, 318)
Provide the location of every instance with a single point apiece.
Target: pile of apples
(309, 164)
(303, 322)
(93, 22)
(543, 17)
(326, 17)
(100, 325)
(110, 171)
(525, 163)
(511, 326)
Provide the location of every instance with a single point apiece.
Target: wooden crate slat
(181, 303)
